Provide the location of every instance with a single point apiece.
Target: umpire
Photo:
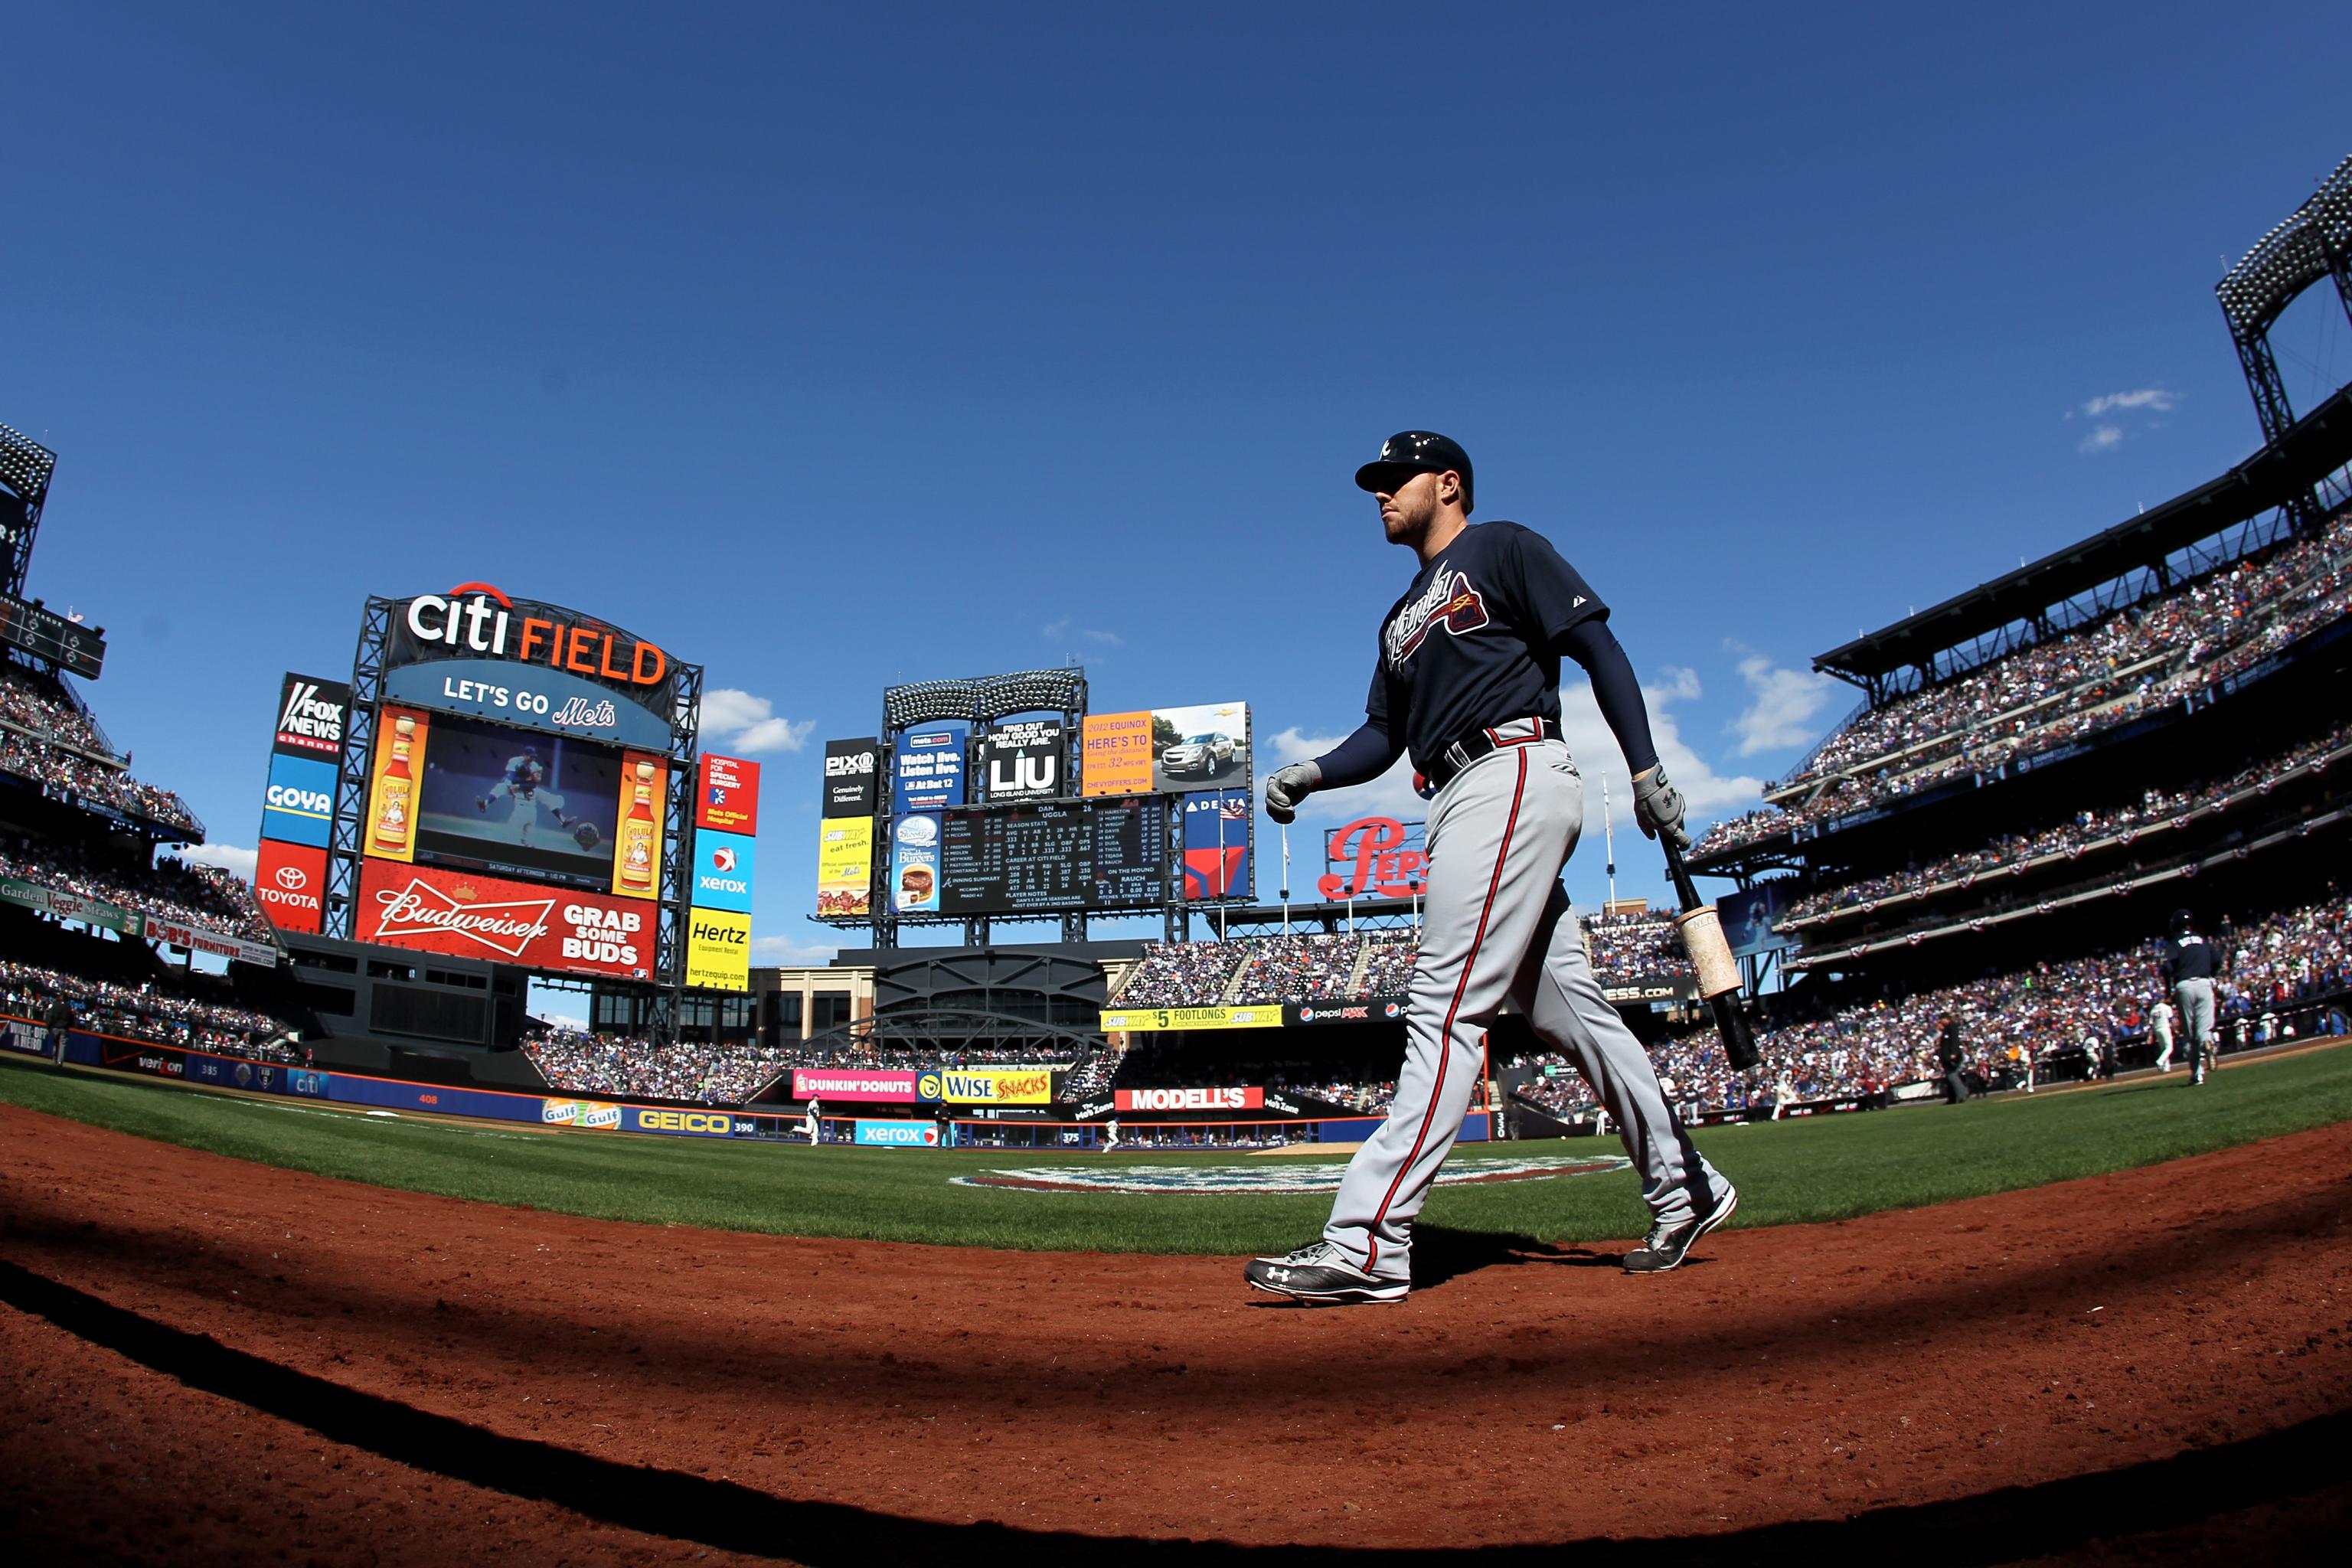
(1466, 679)
(1948, 1056)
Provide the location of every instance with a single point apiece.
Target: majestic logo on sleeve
(1449, 601)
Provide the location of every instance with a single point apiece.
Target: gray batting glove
(1658, 808)
(1287, 787)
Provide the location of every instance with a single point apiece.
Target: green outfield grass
(1830, 1168)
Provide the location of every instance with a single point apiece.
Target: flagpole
(1285, 878)
(1609, 834)
(1225, 876)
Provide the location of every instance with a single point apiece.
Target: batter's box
(1251, 1179)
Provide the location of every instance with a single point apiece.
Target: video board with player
(495, 796)
(1050, 855)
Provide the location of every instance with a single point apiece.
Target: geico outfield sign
(1135, 1020)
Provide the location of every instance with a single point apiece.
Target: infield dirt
(507, 1384)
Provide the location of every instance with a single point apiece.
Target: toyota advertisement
(290, 880)
(467, 915)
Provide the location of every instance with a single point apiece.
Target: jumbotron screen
(494, 796)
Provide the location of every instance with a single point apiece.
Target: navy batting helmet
(1410, 452)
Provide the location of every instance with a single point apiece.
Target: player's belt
(1449, 763)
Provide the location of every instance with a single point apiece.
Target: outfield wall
(146, 1058)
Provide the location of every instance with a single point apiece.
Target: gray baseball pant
(2195, 1000)
(1494, 924)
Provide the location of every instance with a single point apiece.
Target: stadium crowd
(145, 1011)
(2074, 835)
(198, 895)
(1299, 968)
(45, 738)
(2143, 659)
(2290, 961)
(1628, 948)
(579, 1063)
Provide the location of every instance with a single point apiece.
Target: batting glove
(1287, 787)
(1658, 808)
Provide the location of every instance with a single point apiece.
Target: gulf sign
(842, 1083)
(727, 795)
(987, 1086)
(466, 915)
(1225, 1098)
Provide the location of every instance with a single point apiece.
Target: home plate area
(1230, 1179)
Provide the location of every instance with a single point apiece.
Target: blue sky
(837, 348)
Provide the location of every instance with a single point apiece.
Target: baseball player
(524, 785)
(2191, 967)
(1467, 680)
(2159, 1023)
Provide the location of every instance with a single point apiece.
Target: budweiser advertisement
(470, 916)
(291, 883)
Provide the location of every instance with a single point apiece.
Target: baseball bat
(1719, 971)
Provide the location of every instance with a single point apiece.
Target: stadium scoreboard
(1052, 856)
(46, 635)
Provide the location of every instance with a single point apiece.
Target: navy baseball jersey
(2192, 958)
(1474, 642)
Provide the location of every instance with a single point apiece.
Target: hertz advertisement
(719, 949)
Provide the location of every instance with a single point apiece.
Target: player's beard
(1408, 514)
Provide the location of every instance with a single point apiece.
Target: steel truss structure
(2313, 243)
(981, 701)
(340, 911)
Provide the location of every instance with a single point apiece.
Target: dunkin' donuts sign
(469, 916)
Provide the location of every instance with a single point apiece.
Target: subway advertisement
(470, 915)
(844, 866)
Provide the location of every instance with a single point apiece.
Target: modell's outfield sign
(476, 619)
(1228, 1098)
(470, 916)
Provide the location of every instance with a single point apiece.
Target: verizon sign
(469, 916)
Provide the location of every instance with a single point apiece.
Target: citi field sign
(477, 619)
(477, 650)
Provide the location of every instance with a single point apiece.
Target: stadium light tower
(2314, 242)
(25, 469)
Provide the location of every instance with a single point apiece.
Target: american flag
(1233, 808)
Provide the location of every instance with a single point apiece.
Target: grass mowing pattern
(1816, 1169)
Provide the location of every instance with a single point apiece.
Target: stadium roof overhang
(2317, 445)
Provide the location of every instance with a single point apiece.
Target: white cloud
(1785, 703)
(1110, 639)
(2102, 439)
(227, 857)
(785, 952)
(743, 722)
(2153, 398)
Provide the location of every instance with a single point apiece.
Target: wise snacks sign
(466, 915)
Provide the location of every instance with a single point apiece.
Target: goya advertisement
(470, 916)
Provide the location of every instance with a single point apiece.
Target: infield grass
(1817, 1169)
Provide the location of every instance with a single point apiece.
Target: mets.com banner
(987, 1086)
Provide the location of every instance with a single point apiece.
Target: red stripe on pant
(1445, 1036)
